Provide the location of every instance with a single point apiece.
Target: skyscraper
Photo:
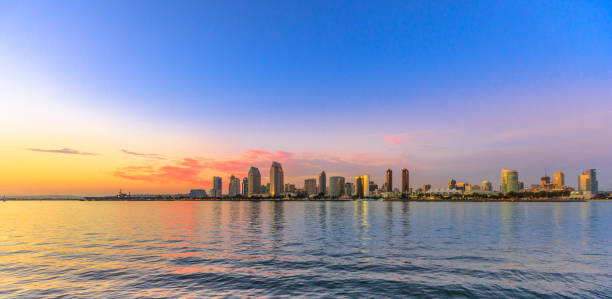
(509, 180)
(389, 180)
(245, 187)
(322, 183)
(362, 185)
(336, 186)
(587, 181)
(405, 180)
(234, 186)
(559, 179)
(254, 181)
(310, 186)
(359, 187)
(486, 186)
(348, 189)
(276, 179)
(452, 184)
(217, 183)
(426, 188)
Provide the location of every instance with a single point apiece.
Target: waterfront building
(254, 181)
(336, 186)
(276, 179)
(509, 180)
(322, 183)
(587, 181)
(373, 187)
(559, 179)
(405, 180)
(197, 193)
(359, 190)
(545, 180)
(521, 185)
(266, 188)
(217, 183)
(486, 186)
(245, 187)
(290, 188)
(234, 186)
(426, 188)
(349, 189)
(461, 186)
(389, 183)
(452, 184)
(310, 186)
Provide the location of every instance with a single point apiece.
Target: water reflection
(305, 249)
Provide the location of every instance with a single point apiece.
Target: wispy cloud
(185, 170)
(144, 155)
(65, 150)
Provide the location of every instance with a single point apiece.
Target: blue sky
(329, 77)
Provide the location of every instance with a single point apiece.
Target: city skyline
(102, 96)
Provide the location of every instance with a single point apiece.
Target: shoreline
(312, 200)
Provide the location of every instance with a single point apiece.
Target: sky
(158, 96)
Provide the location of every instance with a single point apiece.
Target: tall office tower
(426, 187)
(348, 189)
(587, 181)
(389, 180)
(254, 181)
(310, 186)
(366, 185)
(336, 186)
(452, 184)
(217, 183)
(245, 187)
(544, 181)
(509, 180)
(322, 183)
(486, 186)
(276, 179)
(231, 190)
(405, 180)
(359, 188)
(559, 179)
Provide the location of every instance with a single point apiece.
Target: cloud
(297, 166)
(145, 155)
(185, 170)
(63, 151)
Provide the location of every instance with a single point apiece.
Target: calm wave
(310, 249)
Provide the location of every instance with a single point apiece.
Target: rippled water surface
(308, 249)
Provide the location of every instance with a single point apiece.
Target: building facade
(245, 187)
(254, 181)
(277, 182)
(509, 180)
(587, 181)
(310, 186)
(389, 186)
(559, 179)
(405, 180)
(336, 186)
(486, 186)
(322, 183)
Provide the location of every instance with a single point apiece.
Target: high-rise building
(216, 190)
(254, 181)
(359, 188)
(389, 181)
(559, 179)
(245, 187)
(452, 184)
(310, 186)
(405, 180)
(322, 183)
(348, 189)
(276, 179)
(544, 181)
(426, 188)
(587, 181)
(521, 185)
(234, 186)
(336, 186)
(363, 185)
(509, 180)
(486, 186)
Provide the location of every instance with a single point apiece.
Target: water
(307, 249)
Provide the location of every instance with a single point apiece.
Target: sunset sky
(155, 96)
